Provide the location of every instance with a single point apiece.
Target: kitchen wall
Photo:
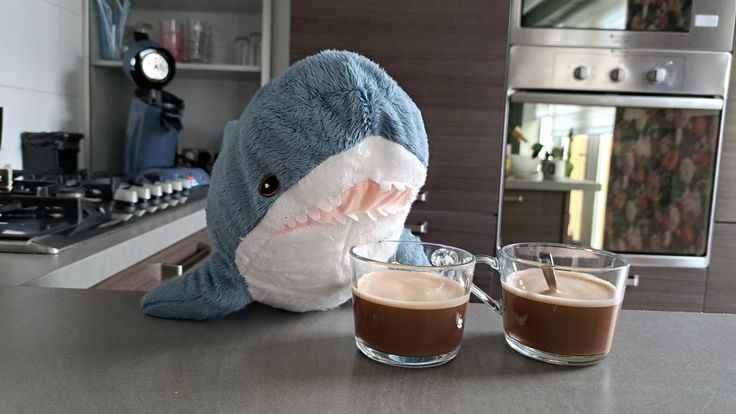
(41, 76)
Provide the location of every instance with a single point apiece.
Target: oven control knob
(618, 75)
(126, 195)
(657, 75)
(581, 73)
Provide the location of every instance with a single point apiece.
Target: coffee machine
(155, 117)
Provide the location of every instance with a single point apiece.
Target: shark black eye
(270, 185)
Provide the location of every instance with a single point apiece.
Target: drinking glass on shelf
(242, 50)
(255, 49)
(199, 41)
(172, 34)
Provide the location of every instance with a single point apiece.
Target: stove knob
(581, 73)
(144, 193)
(155, 190)
(186, 184)
(166, 187)
(657, 75)
(126, 195)
(618, 75)
(177, 186)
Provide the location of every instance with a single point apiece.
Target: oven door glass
(631, 15)
(619, 173)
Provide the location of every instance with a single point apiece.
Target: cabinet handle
(513, 199)
(423, 196)
(171, 270)
(421, 228)
(632, 280)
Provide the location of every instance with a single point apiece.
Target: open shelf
(200, 70)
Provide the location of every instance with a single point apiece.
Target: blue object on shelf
(111, 18)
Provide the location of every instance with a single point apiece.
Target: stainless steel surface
(697, 80)
(632, 281)
(418, 228)
(84, 351)
(423, 196)
(548, 270)
(168, 271)
(688, 73)
(91, 262)
(629, 101)
(513, 198)
(699, 37)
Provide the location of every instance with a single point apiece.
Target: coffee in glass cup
(571, 323)
(410, 314)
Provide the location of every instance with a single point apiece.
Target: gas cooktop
(48, 213)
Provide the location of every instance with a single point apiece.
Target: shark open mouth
(368, 199)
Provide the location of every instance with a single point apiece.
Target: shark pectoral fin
(412, 254)
(216, 289)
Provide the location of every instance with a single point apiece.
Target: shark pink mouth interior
(365, 200)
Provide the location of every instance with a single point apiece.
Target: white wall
(41, 70)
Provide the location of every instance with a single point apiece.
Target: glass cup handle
(492, 262)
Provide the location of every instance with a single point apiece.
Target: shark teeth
(325, 206)
(301, 217)
(335, 200)
(332, 211)
(313, 214)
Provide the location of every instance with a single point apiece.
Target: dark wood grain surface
(667, 289)
(534, 216)
(450, 58)
(720, 293)
(146, 275)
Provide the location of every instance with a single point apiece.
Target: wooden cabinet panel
(450, 57)
(190, 253)
(720, 294)
(474, 232)
(726, 196)
(534, 216)
(666, 289)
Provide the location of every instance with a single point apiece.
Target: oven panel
(706, 25)
(650, 72)
(640, 173)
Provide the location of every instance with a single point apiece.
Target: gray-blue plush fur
(320, 107)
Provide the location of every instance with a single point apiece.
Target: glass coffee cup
(409, 308)
(570, 323)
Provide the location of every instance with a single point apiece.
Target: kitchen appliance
(644, 127)
(48, 213)
(50, 151)
(154, 120)
(702, 25)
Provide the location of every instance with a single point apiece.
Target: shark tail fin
(213, 290)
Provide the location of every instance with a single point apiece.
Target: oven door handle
(630, 101)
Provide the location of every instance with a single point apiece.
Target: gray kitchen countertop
(97, 259)
(78, 351)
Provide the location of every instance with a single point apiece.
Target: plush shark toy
(328, 155)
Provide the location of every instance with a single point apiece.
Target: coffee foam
(411, 290)
(573, 288)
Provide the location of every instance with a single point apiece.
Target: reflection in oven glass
(632, 15)
(633, 180)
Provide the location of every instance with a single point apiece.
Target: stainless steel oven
(703, 25)
(638, 134)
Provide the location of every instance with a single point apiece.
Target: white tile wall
(41, 75)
